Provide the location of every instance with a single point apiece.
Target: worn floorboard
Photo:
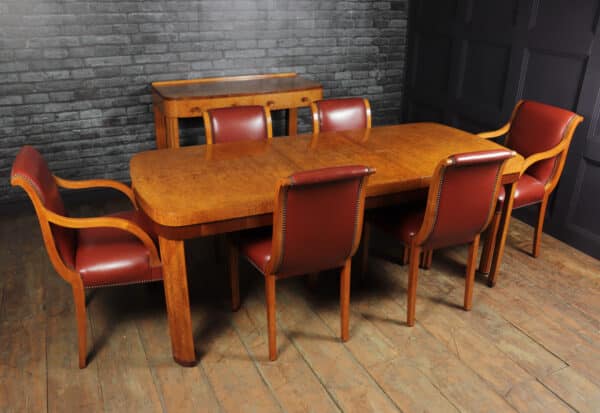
(531, 344)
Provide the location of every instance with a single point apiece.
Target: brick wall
(75, 75)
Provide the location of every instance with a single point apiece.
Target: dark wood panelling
(486, 55)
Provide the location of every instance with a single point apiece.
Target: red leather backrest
(238, 123)
(535, 128)
(321, 215)
(342, 114)
(462, 200)
(31, 167)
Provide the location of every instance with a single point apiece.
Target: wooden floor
(531, 344)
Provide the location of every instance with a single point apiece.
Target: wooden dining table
(203, 190)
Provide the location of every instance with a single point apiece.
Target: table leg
(159, 127)
(292, 121)
(178, 302)
(172, 127)
(502, 233)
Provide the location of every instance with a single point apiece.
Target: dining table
(202, 190)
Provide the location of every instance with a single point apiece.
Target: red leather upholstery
(464, 201)
(466, 197)
(535, 128)
(403, 229)
(30, 165)
(108, 256)
(238, 123)
(257, 246)
(320, 222)
(529, 191)
(342, 114)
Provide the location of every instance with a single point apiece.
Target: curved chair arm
(540, 156)
(97, 183)
(108, 222)
(494, 134)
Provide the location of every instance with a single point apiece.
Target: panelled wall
(75, 75)
(470, 61)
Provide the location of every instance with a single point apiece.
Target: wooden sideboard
(176, 99)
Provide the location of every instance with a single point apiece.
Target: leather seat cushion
(401, 222)
(256, 246)
(109, 256)
(529, 191)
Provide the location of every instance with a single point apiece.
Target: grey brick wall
(75, 75)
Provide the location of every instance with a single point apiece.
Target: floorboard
(531, 344)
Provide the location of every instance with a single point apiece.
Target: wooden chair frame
(208, 128)
(560, 151)
(316, 121)
(271, 275)
(47, 217)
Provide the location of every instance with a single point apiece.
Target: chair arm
(97, 183)
(494, 134)
(108, 222)
(540, 156)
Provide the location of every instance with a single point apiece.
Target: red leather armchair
(460, 204)
(542, 134)
(237, 123)
(341, 114)
(111, 250)
(317, 223)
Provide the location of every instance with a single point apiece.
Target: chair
(541, 134)
(87, 252)
(237, 123)
(341, 114)
(460, 204)
(317, 223)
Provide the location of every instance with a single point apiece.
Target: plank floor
(531, 344)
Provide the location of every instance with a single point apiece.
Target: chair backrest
(318, 219)
(537, 127)
(237, 123)
(462, 198)
(30, 171)
(341, 114)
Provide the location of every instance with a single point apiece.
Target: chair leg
(270, 295)
(234, 276)
(537, 235)
(488, 248)
(405, 254)
(470, 278)
(413, 271)
(426, 258)
(80, 314)
(345, 301)
(364, 253)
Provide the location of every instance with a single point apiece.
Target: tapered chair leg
(470, 277)
(345, 301)
(80, 314)
(364, 253)
(537, 235)
(270, 296)
(426, 258)
(413, 271)
(405, 254)
(234, 278)
(488, 248)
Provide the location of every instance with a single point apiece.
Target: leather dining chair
(460, 204)
(317, 223)
(541, 134)
(237, 123)
(102, 251)
(341, 114)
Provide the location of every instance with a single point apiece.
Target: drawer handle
(196, 109)
(305, 99)
(270, 103)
